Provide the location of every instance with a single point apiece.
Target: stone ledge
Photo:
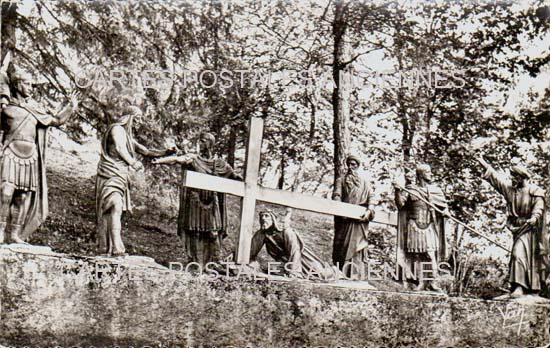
(49, 299)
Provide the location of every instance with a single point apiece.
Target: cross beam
(251, 192)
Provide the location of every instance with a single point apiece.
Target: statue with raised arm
(202, 218)
(421, 235)
(526, 213)
(24, 123)
(118, 156)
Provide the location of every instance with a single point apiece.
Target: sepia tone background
(500, 49)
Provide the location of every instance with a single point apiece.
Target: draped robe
(350, 236)
(287, 247)
(522, 204)
(113, 178)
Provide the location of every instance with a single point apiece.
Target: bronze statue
(118, 156)
(421, 237)
(202, 218)
(526, 210)
(350, 236)
(286, 247)
(24, 190)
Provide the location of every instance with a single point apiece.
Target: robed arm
(537, 211)
(294, 250)
(538, 208)
(5, 92)
(183, 159)
(401, 197)
(369, 203)
(231, 172)
(257, 245)
(143, 150)
(496, 179)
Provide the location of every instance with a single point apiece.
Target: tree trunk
(8, 23)
(232, 146)
(408, 133)
(313, 118)
(341, 91)
(281, 182)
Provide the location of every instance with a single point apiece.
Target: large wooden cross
(251, 192)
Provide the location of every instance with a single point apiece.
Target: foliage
(486, 46)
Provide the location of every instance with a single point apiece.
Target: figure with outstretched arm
(202, 218)
(24, 123)
(118, 157)
(526, 207)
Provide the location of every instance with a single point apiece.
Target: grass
(150, 230)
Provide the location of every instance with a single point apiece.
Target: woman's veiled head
(128, 115)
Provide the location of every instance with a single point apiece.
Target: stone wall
(50, 299)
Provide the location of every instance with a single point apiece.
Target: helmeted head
(268, 220)
(206, 144)
(22, 82)
(519, 175)
(353, 162)
(424, 173)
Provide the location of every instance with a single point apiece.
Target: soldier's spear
(471, 229)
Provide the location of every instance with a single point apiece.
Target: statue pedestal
(28, 248)
(130, 261)
(55, 300)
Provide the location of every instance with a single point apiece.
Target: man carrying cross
(251, 192)
(350, 249)
(287, 248)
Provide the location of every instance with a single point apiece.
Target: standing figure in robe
(118, 156)
(24, 123)
(351, 236)
(202, 218)
(526, 212)
(421, 237)
(287, 247)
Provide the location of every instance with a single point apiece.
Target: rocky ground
(150, 230)
(51, 300)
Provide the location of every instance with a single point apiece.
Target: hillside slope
(150, 230)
